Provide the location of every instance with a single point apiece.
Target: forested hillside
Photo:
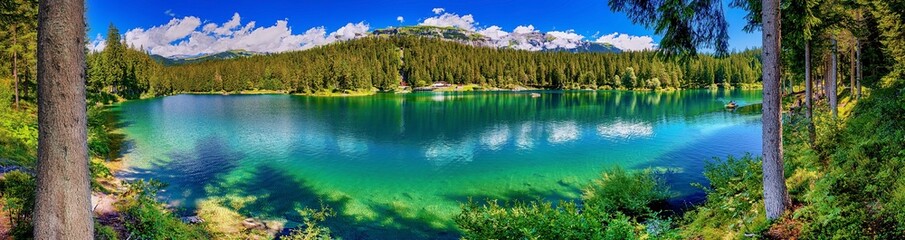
(385, 62)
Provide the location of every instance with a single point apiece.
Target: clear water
(397, 166)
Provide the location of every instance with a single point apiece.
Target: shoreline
(442, 90)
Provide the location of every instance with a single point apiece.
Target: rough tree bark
(776, 196)
(831, 79)
(62, 205)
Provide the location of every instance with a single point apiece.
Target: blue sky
(587, 19)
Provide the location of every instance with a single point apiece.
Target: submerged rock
(192, 219)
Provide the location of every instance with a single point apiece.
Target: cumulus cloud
(169, 12)
(186, 37)
(493, 32)
(566, 40)
(465, 22)
(97, 44)
(627, 42)
(524, 29)
(189, 36)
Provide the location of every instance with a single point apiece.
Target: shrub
(145, 218)
(734, 201)
(18, 191)
(613, 207)
(102, 232)
(312, 228)
(618, 191)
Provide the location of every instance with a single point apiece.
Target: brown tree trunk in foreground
(776, 196)
(62, 204)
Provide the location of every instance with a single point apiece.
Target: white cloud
(494, 32)
(566, 40)
(465, 22)
(187, 37)
(350, 31)
(524, 30)
(169, 12)
(164, 34)
(97, 44)
(226, 29)
(627, 42)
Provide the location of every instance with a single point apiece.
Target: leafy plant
(18, 191)
(145, 218)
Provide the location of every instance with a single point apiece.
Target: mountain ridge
(531, 41)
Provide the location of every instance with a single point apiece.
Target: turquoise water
(397, 166)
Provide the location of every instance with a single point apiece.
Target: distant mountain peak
(184, 59)
(531, 41)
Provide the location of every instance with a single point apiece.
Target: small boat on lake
(535, 95)
(731, 105)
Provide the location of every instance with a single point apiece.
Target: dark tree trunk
(16, 67)
(851, 72)
(62, 204)
(860, 75)
(809, 98)
(831, 80)
(776, 196)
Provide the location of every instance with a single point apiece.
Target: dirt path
(5, 226)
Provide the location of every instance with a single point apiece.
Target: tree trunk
(809, 98)
(831, 81)
(62, 201)
(851, 72)
(16, 67)
(858, 57)
(807, 77)
(776, 196)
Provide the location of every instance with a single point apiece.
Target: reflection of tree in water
(186, 173)
(270, 193)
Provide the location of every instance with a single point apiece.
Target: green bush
(145, 218)
(312, 228)
(862, 190)
(734, 205)
(617, 206)
(102, 232)
(17, 190)
(618, 191)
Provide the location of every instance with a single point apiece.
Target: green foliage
(384, 62)
(618, 191)
(18, 131)
(615, 207)
(102, 232)
(145, 218)
(17, 190)
(734, 204)
(312, 230)
(862, 192)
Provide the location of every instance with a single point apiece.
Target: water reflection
(621, 130)
(411, 157)
(561, 132)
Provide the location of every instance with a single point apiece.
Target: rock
(192, 219)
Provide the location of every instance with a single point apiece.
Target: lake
(398, 165)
